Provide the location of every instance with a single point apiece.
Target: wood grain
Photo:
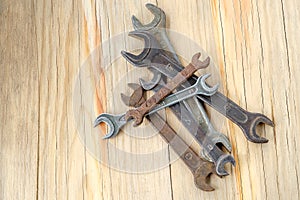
(61, 66)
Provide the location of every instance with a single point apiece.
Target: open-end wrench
(138, 113)
(152, 55)
(200, 168)
(116, 122)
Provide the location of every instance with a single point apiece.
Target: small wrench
(200, 168)
(182, 76)
(115, 122)
(154, 56)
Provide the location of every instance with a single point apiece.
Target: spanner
(116, 122)
(152, 55)
(201, 169)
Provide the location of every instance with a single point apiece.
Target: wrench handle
(200, 168)
(247, 121)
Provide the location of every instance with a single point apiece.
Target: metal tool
(115, 122)
(152, 55)
(218, 156)
(157, 27)
(200, 168)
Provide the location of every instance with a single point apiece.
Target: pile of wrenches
(186, 103)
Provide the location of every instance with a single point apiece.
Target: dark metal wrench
(152, 55)
(200, 168)
(182, 76)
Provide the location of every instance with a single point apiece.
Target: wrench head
(135, 115)
(220, 164)
(198, 63)
(151, 49)
(136, 98)
(152, 83)
(202, 174)
(217, 139)
(108, 119)
(159, 19)
(201, 84)
(250, 129)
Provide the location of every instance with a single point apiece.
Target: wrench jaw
(112, 127)
(220, 164)
(207, 88)
(212, 140)
(250, 130)
(152, 83)
(159, 19)
(202, 174)
(199, 63)
(150, 51)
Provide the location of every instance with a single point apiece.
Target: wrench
(154, 56)
(182, 76)
(116, 122)
(201, 169)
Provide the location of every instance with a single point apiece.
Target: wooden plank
(62, 66)
(19, 102)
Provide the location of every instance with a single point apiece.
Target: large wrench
(116, 122)
(154, 56)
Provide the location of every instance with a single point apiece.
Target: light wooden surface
(44, 45)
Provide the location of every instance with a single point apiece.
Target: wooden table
(57, 56)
